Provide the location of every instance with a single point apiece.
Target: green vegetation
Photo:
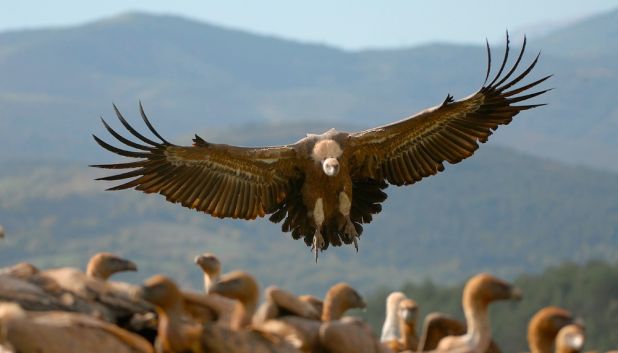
(589, 291)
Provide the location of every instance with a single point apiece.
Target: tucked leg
(345, 205)
(318, 218)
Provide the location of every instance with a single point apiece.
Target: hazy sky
(349, 24)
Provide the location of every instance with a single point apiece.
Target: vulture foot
(318, 243)
(350, 232)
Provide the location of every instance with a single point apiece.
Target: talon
(350, 232)
(318, 243)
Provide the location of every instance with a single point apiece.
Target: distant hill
(193, 76)
(590, 39)
(499, 211)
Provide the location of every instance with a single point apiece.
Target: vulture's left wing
(221, 180)
(409, 150)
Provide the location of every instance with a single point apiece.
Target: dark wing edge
(411, 149)
(221, 180)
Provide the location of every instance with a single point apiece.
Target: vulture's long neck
(209, 281)
(174, 334)
(540, 343)
(334, 308)
(96, 270)
(249, 308)
(408, 334)
(477, 321)
(391, 327)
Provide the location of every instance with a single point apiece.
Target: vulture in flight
(323, 187)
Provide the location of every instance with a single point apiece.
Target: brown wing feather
(409, 150)
(221, 180)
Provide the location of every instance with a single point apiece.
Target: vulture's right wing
(221, 180)
(409, 150)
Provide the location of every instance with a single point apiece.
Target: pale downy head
(327, 152)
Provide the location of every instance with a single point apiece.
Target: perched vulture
(391, 329)
(304, 332)
(544, 327)
(323, 187)
(63, 332)
(480, 291)
(408, 313)
(211, 266)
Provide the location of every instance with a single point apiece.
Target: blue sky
(351, 24)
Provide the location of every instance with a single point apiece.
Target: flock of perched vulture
(68, 310)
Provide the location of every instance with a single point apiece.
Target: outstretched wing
(409, 150)
(221, 180)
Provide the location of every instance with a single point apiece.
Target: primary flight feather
(322, 187)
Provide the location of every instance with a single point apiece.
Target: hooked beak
(198, 260)
(516, 293)
(363, 305)
(130, 266)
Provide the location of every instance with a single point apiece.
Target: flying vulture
(323, 187)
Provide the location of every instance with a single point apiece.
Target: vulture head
(340, 298)
(408, 311)
(327, 152)
(102, 265)
(209, 263)
(484, 288)
(241, 286)
(160, 291)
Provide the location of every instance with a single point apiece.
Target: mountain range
(194, 77)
